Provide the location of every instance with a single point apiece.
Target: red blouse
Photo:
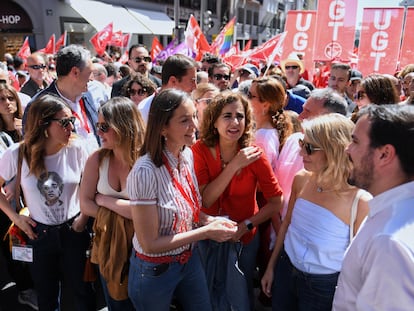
(238, 200)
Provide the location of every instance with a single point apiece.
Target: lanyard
(84, 120)
(193, 199)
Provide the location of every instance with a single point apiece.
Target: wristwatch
(249, 224)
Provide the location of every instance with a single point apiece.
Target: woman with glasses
(323, 216)
(138, 87)
(229, 170)
(202, 97)
(104, 196)
(165, 206)
(57, 239)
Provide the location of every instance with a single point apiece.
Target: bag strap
(17, 189)
(354, 209)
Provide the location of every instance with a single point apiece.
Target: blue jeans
(112, 304)
(229, 269)
(297, 290)
(59, 253)
(151, 286)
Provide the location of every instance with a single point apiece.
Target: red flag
(195, 39)
(125, 40)
(117, 38)
(50, 46)
(102, 38)
(61, 42)
(407, 47)
(335, 30)
(156, 48)
(380, 40)
(270, 50)
(24, 51)
(248, 46)
(300, 38)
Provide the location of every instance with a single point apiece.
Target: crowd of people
(198, 186)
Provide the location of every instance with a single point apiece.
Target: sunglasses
(3, 81)
(146, 59)
(220, 76)
(103, 127)
(291, 67)
(37, 67)
(64, 122)
(360, 95)
(309, 149)
(140, 92)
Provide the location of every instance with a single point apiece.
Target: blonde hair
(332, 133)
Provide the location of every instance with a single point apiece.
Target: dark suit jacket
(91, 112)
(31, 88)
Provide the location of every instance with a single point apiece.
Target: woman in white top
(165, 206)
(103, 196)
(56, 232)
(320, 221)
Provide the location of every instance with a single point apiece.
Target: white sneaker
(28, 297)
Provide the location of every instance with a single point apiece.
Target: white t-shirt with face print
(53, 198)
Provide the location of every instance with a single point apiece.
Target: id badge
(22, 253)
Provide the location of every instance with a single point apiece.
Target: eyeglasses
(64, 122)
(103, 127)
(37, 67)
(250, 96)
(360, 95)
(291, 67)
(146, 59)
(309, 149)
(219, 76)
(140, 92)
(206, 100)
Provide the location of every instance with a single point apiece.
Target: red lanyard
(193, 199)
(84, 120)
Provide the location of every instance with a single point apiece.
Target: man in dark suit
(36, 66)
(139, 61)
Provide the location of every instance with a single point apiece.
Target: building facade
(258, 20)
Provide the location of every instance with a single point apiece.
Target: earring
(46, 134)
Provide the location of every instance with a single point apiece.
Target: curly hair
(138, 78)
(332, 133)
(208, 132)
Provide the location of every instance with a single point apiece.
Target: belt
(180, 258)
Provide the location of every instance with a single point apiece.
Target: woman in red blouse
(229, 169)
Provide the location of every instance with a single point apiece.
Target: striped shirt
(150, 185)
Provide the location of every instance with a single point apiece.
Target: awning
(159, 23)
(100, 14)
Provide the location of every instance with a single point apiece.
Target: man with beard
(139, 61)
(378, 269)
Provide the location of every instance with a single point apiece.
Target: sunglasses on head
(360, 95)
(64, 122)
(140, 92)
(219, 76)
(309, 149)
(103, 127)
(146, 59)
(291, 67)
(36, 67)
